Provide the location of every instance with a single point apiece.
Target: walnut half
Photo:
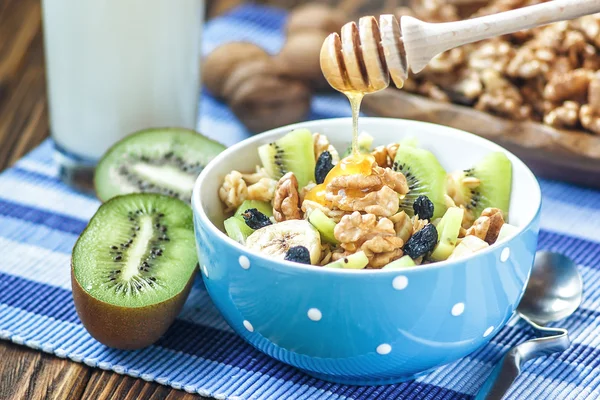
(377, 238)
(374, 194)
(286, 203)
(487, 226)
(233, 191)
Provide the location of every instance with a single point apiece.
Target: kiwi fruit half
(132, 268)
(424, 176)
(162, 160)
(291, 153)
(487, 184)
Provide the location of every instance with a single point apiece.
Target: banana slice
(275, 240)
(469, 245)
(506, 231)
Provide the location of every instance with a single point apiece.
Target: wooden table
(24, 373)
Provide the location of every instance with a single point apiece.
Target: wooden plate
(571, 156)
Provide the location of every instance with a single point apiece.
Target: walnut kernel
(286, 202)
(233, 191)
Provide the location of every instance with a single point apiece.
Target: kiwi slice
(236, 228)
(357, 260)
(324, 225)
(132, 268)
(163, 160)
(402, 262)
(425, 177)
(261, 206)
(491, 186)
(364, 141)
(291, 153)
(448, 229)
(410, 141)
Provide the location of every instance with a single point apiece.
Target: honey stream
(355, 163)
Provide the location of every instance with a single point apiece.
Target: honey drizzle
(355, 98)
(356, 162)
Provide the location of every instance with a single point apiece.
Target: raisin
(421, 242)
(324, 165)
(298, 254)
(423, 207)
(255, 219)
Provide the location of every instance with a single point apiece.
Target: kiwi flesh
(364, 142)
(357, 260)
(262, 206)
(448, 229)
(162, 160)
(494, 176)
(324, 225)
(235, 226)
(132, 268)
(402, 262)
(293, 152)
(424, 176)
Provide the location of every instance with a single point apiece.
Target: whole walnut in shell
(315, 17)
(219, 64)
(299, 57)
(255, 88)
(262, 99)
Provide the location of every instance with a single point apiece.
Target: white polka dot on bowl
(314, 314)
(505, 254)
(244, 262)
(488, 331)
(248, 326)
(400, 282)
(384, 349)
(458, 309)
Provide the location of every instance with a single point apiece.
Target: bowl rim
(198, 209)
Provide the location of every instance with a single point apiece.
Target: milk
(117, 66)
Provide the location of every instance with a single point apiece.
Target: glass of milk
(115, 67)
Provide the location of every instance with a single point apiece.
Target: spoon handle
(508, 369)
(423, 41)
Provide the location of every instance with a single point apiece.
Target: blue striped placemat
(40, 220)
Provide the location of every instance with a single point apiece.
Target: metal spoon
(554, 292)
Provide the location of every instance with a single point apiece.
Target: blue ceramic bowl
(367, 326)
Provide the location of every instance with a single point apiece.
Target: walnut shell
(299, 57)
(263, 100)
(219, 64)
(314, 16)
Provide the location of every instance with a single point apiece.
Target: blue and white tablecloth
(40, 220)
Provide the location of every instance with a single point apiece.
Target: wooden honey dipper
(363, 57)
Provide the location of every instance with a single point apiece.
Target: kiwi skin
(127, 328)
